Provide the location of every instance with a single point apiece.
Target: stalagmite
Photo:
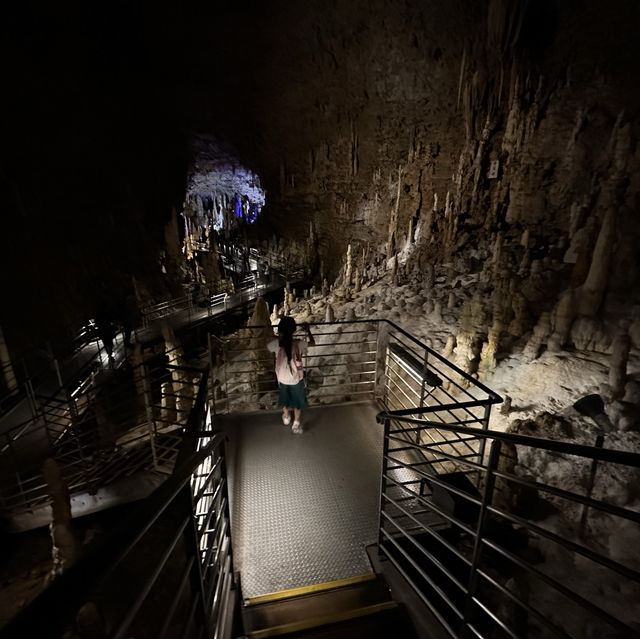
(329, 315)
(538, 338)
(591, 293)
(348, 269)
(261, 332)
(488, 361)
(65, 547)
(436, 316)
(7, 367)
(167, 404)
(174, 354)
(357, 281)
(350, 315)
(325, 287)
(136, 364)
(211, 269)
(618, 365)
(451, 302)
(449, 347)
(563, 316)
(518, 324)
(260, 318)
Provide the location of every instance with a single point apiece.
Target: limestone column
(8, 373)
(65, 548)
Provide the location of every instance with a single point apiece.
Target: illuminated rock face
(437, 137)
(490, 143)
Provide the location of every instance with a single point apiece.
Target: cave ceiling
(328, 103)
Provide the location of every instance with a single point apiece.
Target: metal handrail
(579, 450)
(53, 611)
(458, 596)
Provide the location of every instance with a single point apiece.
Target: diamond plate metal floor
(303, 507)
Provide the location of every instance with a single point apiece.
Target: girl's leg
(286, 415)
(296, 428)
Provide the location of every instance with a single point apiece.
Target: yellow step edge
(307, 590)
(324, 620)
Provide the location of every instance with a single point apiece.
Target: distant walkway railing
(101, 431)
(166, 571)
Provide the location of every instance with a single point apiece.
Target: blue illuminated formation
(219, 184)
(239, 212)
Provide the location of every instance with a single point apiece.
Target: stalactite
(393, 220)
(355, 162)
(461, 76)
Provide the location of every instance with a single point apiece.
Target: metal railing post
(483, 440)
(148, 406)
(599, 443)
(192, 543)
(383, 478)
(487, 496)
(382, 342)
(212, 396)
(225, 359)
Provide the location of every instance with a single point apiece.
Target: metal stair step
(329, 625)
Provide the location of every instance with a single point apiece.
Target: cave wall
(93, 158)
(499, 133)
(497, 137)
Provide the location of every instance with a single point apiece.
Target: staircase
(343, 609)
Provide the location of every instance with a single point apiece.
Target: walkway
(78, 366)
(303, 507)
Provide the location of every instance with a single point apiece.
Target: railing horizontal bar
(145, 589)
(422, 527)
(436, 480)
(415, 392)
(452, 458)
(409, 580)
(629, 573)
(432, 506)
(439, 357)
(544, 620)
(602, 506)
(561, 588)
(445, 625)
(391, 392)
(399, 389)
(496, 620)
(579, 450)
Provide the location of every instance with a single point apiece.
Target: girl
(289, 371)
